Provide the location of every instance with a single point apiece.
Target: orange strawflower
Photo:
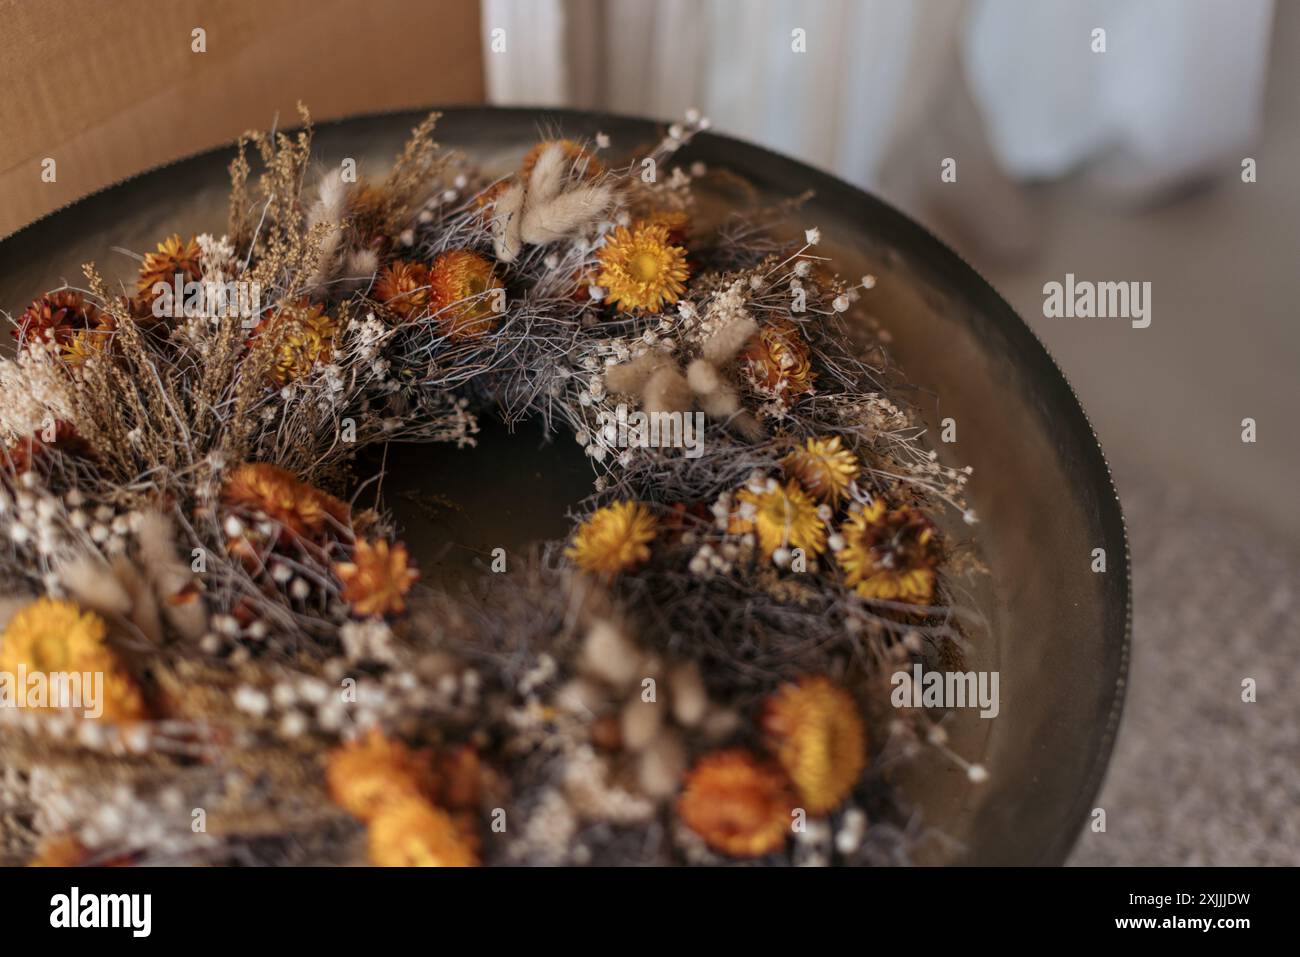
(411, 832)
(777, 361)
(403, 287)
(377, 578)
(299, 508)
(86, 344)
(462, 294)
(824, 467)
(738, 805)
(614, 539)
(782, 516)
(369, 773)
(641, 269)
(890, 554)
(57, 317)
(53, 636)
(173, 256)
(302, 334)
(817, 735)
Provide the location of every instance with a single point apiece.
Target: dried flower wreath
(700, 674)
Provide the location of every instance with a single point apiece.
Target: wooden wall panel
(108, 89)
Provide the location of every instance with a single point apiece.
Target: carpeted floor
(1200, 777)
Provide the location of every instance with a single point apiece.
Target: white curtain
(1177, 91)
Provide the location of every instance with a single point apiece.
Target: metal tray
(1058, 633)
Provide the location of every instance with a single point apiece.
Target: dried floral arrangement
(699, 674)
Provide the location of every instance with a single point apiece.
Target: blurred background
(1115, 156)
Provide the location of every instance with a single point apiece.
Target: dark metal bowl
(1058, 632)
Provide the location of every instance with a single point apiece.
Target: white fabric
(1179, 88)
(532, 68)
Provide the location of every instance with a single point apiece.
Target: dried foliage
(176, 478)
